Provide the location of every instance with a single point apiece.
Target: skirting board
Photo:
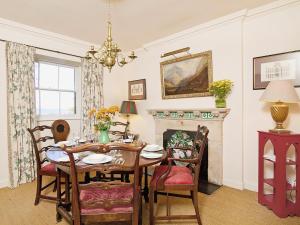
(3, 183)
(233, 184)
(250, 186)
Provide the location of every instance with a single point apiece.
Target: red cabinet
(284, 198)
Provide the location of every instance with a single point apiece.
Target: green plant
(221, 88)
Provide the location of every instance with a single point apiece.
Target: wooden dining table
(54, 155)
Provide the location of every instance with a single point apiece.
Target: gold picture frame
(137, 89)
(186, 77)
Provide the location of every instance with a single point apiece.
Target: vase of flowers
(102, 121)
(220, 89)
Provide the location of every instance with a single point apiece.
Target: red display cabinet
(284, 199)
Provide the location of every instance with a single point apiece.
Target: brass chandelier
(109, 53)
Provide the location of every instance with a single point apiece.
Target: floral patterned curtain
(92, 92)
(21, 112)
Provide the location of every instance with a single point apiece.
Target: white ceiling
(135, 22)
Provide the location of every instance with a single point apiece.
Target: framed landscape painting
(137, 89)
(282, 66)
(187, 76)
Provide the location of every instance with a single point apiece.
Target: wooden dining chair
(44, 168)
(171, 178)
(105, 201)
(119, 130)
(60, 130)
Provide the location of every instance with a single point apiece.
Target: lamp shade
(280, 91)
(128, 107)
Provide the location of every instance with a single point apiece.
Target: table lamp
(280, 92)
(128, 107)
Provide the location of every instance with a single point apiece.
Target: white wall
(28, 35)
(234, 41)
(268, 33)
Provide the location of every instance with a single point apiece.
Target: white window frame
(77, 90)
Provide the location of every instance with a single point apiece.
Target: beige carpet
(225, 206)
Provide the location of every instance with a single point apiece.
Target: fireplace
(188, 120)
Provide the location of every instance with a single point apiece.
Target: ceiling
(135, 22)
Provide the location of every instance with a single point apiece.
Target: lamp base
(280, 131)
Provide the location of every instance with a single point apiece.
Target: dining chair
(60, 130)
(119, 130)
(44, 168)
(105, 201)
(171, 178)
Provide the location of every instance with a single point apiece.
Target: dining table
(59, 157)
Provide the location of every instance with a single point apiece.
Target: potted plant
(102, 121)
(220, 89)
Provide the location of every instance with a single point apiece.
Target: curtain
(92, 92)
(21, 112)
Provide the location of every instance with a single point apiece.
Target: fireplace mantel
(190, 114)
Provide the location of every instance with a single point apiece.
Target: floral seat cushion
(177, 175)
(49, 169)
(102, 195)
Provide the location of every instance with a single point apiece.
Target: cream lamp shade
(280, 92)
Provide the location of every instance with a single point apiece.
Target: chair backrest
(60, 130)
(37, 140)
(130, 162)
(119, 129)
(199, 145)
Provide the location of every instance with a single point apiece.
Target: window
(55, 89)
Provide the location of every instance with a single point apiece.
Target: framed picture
(187, 76)
(137, 89)
(282, 66)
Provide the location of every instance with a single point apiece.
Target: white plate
(82, 141)
(67, 143)
(152, 148)
(97, 159)
(128, 140)
(66, 158)
(151, 155)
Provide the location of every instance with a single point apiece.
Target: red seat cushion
(49, 169)
(96, 194)
(177, 175)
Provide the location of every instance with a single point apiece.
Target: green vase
(220, 102)
(103, 137)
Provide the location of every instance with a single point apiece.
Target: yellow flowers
(221, 88)
(103, 117)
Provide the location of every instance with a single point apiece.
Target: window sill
(58, 117)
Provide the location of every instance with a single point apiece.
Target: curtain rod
(49, 50)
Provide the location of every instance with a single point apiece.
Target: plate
(97, 159)
(82, 141)
(152, 148)
(128, 140)
(65, 158)
(67, 143)
(151, 155)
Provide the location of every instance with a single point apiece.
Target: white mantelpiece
(188, 119)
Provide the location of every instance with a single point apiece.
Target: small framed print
(282, 66)
(137, 89)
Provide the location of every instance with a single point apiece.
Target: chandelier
(109, 53)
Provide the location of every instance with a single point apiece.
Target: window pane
(36, 74)
(66, 78)
(49, 102)
(67, 103)
(48, 76)
(37, 102)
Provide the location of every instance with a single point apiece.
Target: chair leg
(151, 206)
(155, 196)
(38, 189)
(55, 186)
(195, 203)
